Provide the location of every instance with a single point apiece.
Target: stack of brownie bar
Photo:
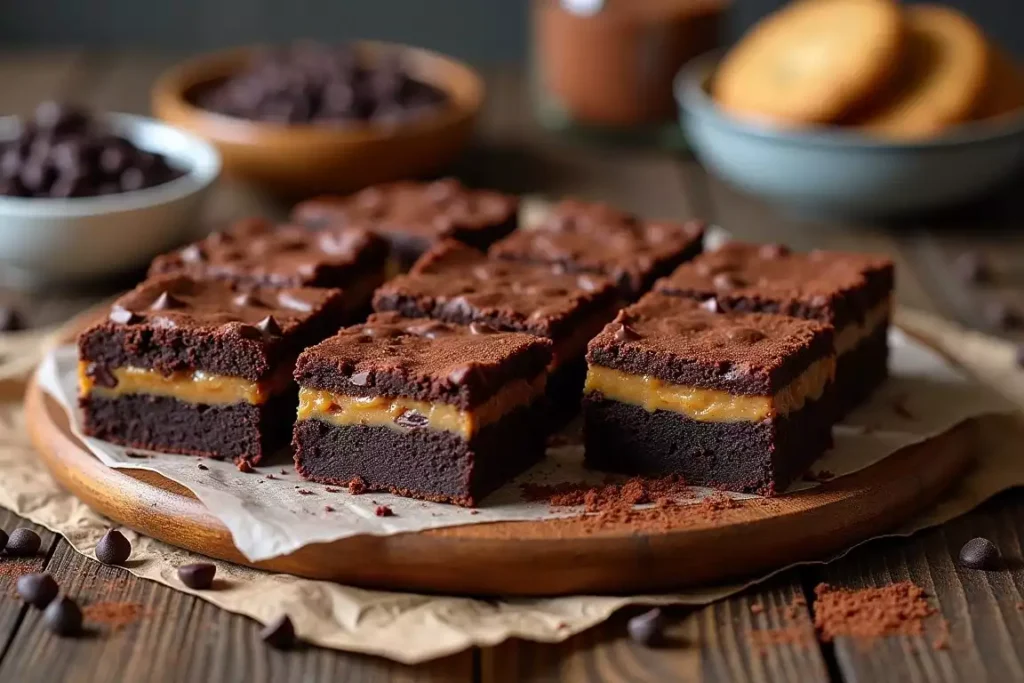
(728, 368)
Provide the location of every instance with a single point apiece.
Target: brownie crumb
(328, 508)
(357, 486)
(896, 609)
(202, 466)
(331, 489)
(243, 465)
(284, 471)
(305, 492)
(269, 475)
(384, 511)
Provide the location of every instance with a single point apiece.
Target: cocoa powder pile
(116, 615)
(896, 609)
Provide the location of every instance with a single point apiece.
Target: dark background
(483, 31)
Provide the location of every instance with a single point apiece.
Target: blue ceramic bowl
(843, 172)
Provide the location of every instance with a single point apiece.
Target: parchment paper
(413, 628)
(276, 515)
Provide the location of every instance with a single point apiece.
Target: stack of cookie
(889, 71)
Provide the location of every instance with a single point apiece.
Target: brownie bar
(456, 283)
(421, 408)
(415, 216)
(852, 292)
(255, 252)
(740, 401)
(197, 366)
(596, 238)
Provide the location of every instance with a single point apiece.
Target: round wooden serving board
(533, 558)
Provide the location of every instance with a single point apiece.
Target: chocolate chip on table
(979, 553)
(37, 589)
(647, 628)
(3, 538)
(23, 543)
(10, 320)
(63, 616)
(973, 268)
(197, 576)
(113, 548)
(280, 633)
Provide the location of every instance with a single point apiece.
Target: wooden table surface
(185, 639)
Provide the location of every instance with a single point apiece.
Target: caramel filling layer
(191, 387)
(710, 405)
(404, 414)
(853, 334)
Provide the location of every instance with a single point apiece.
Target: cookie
(942, 79)
(811, 62)
(1004, 93)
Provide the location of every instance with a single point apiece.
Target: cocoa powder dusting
(896, 609)
(116, 615)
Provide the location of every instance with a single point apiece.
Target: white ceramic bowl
(842, 172)
(46, 240)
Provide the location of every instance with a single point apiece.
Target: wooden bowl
(299, 160)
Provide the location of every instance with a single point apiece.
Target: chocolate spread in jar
(612, 63)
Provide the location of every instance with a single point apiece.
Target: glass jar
(607, 66)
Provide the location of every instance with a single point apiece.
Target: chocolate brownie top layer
(836, 287)
(174, 323)
(426, 360)
(598, 238)
(459, 284)
(256, 252)
(430, 210)
(686, 342)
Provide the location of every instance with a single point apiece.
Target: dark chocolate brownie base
(157, 423)
(750, 457)
(421, 463)
(862, 369)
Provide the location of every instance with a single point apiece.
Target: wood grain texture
(983, 609)
(12, 609)
(175, 637)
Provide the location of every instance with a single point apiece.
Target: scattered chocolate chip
(1003, 316)
(745, 335)
(410, 419)
(280, 633)
(360, 379)
(269, 327)
(3, 538)
(23, 543)
(202, 466)
(972, 267)
(979, 553)
(122, 316)
(63, 616)
(10, 320)
(165, 302)
(197, 576)
(384, 511)
(773, 251)
(37, 589)
(625, 333)
(646, 629)
(711, 305)
(113, 548)
(481, 328)
(243, 465)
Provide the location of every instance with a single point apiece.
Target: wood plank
(176, 637)
(12, 609)
(983, 609)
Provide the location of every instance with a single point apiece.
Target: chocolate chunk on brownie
(197, 366)
(585, 237)
(852, 292)
(421, 408)
(255, 252)
(739, 401)
(456, 283)
(414, 216)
